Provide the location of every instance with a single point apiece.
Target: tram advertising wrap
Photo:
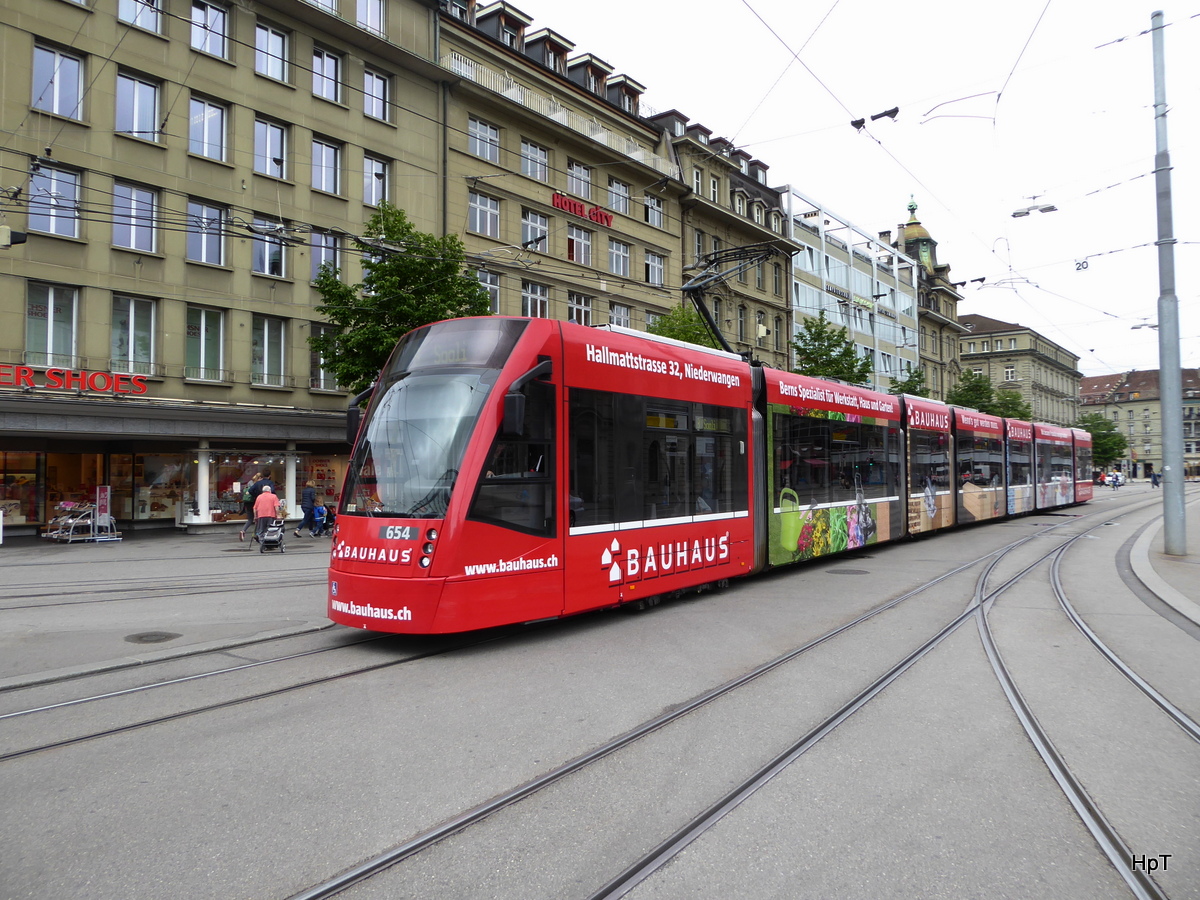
(511, 470)
(835, 470)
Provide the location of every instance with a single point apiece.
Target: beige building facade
(1018, 358)
(1133, 401)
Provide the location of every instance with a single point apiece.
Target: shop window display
(19, 494)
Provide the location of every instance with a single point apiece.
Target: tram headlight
(431, 534)
(428, 548)
(425, 562)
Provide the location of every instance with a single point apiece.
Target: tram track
(668, 849)
(229, 703)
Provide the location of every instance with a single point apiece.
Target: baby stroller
(272, 537)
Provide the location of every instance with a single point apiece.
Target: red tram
(511, 470)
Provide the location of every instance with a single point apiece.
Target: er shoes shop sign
(70, 380)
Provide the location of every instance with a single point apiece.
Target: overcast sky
(1001, 106)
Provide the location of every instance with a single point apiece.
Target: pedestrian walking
(249, 495)
(308, 506)
(1153, 479)
(266, 510)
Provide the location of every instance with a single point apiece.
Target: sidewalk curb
(130, 662)
(1143, 568)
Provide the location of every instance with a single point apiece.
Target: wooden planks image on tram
(834, 467)
(930, 465)
(979, 462)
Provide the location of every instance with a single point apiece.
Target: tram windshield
(423, 414)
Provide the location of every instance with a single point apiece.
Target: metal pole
(1170, 379)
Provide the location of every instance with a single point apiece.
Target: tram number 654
(397, 533)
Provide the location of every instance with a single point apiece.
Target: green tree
(1008, 403)
(974, 391)
(410, 278)
(824, 351)
(683, 323)
(913, 383)
(1108, 444)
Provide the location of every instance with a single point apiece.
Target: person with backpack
(248, 497)
(257, 483)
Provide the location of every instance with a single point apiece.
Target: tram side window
(928, 460)
(980, 460)
(516, 489)
(638, 459)
(802, 457)
(1020, 470)
(859, 457)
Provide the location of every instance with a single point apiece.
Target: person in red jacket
(266, 508)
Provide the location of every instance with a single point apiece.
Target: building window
(984, 346)
(326, 166)
(204, 352)
(376, 92)
(654, 211)
(326, 250)
(579, 309)
(54, 202)
(57, 82)
(137, 107)
(714, 189)
(1010, 373)
(655, 266)
(483, 215)
(652, 320)
(758, 276)
(618, 196)
(50, 325)
(142, 13)
(132, 335)
(327, 75)
(330, 5)
(133, 217)
(370, 15)
(483, 140)
(778, 334)
(620, 314)
(739, 204)
(267, 252)
(267, 351)
(760, 327)
(210, 25)
(741, 324)
(320, 378)
(270, 52)
(535, 161)
(269, 148)
(698, 244)
(491, 284)
(206, 233)
(698, 182)
(535, 300)
(579, 180)
(535, 230)
(375, 180)
(758, 213)
(206, 129)
(618, 257)
(579, 245)
(1012, 343)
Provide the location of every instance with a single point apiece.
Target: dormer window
(702, 137)
(758, 213)
(510, 36)
(629, 103)
(556, 60)
(595, 81)
(739, 204)
(459, 9)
